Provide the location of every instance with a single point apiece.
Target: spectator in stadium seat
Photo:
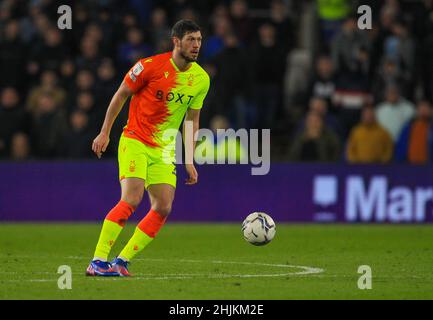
(426, 61)
(142, 8)
(84, 81)
(48, 127)
(400, 48)
(215, 43)
(285, 29)
(133, 49)
(415, 142)
(320, 106)
(67, 74)
(105, 23)
(81, 20)
(89, 54)
(316, 142)
(78, 139)
(12, 57)
(369, 142)
(13, 119)
(322, 84)
(158, 28)
(268, 76)
(350, 56)
(241, 21)
(331, 15)
(49, 53)
(233, 83)
(188, 13)
(85, 102)
(20, 147)
(426, 67)
(388, 75)
(94, 31)
(220, 10)
(389, 13)
(422, 21)
(394, 112)
(48, 85)
(351, 59)
(106, 82)
(27, 24)
(127, 21)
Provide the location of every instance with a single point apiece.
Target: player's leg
(161, 199)
(161, 185)
(132, 194)
(132, 172)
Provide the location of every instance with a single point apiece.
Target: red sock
(120, 213)
(151, 223)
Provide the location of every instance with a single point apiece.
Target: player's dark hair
(182, 27)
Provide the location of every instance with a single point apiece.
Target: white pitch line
(170, 277)
(143, 276)
(307, 270)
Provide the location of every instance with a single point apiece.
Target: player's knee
(133, 199)
(164, 209)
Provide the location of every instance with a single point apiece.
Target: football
(258, 228)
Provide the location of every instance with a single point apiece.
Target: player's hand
(100, 144)
(192, 173)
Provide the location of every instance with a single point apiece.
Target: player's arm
(101, 141)
(193, 116)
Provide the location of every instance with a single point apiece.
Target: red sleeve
(138, 75)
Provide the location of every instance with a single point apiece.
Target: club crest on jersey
(166, 74)
(132, 166)
(190, 79)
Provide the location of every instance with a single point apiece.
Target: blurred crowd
(369, 98)
(363, 96)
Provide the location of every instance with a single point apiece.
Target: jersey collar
(176, 67)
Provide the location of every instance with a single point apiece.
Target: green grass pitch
(213, 261)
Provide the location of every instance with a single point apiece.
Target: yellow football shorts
(137, 160)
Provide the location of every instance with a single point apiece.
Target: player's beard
(187, 58)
